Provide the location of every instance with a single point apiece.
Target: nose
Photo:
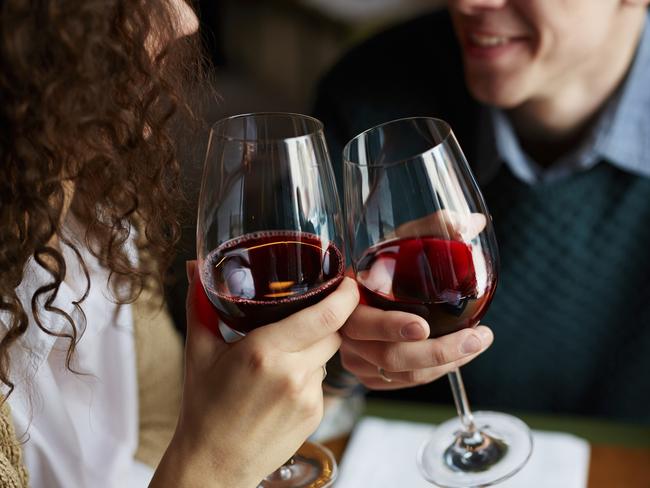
(469, 7)
(187, 23)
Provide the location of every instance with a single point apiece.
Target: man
(549, 101)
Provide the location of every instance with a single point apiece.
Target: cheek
(573, 32)
(562, 52)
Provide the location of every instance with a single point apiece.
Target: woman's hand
(248, 406)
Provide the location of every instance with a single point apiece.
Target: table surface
(620, 453)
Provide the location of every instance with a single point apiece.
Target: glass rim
(346, 148)
(317, 129)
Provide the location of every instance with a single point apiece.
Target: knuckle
(258, 359)
(292, 386)
(420, 377)
(389, 358)
(312, 409)
(389, 331)
(350, 329)
(329, 318)
(440, 355)
(414, 376)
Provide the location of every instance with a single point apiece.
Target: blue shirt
(620, 136)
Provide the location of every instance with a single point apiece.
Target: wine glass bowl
(269, 232)
(270, 275)
(270, 238)
(422, 241)
(421, 237)
(399, 274)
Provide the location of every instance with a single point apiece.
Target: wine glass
(422, 241)
(270, 238)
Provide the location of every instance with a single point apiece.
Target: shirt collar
(625, 141)
(621, 136)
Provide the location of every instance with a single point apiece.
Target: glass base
(313, 466)
(453, 458)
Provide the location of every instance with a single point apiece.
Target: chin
(497, 93)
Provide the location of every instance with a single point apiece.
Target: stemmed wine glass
(422, 241)
(270, 238)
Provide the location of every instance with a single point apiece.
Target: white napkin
(381, 454)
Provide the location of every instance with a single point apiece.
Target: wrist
(183, 466)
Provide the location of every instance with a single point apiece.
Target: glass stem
(460, 399)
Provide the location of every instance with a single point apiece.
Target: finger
(368, 372)
(204, 341)
(371, 324)
(446, 224)
(307, 327)
(319, 353)
(407, 356)
(358, 366)
(375, 383)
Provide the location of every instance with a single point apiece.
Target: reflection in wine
(263, 277)
(438, 279)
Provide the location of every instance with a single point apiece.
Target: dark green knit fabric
(571, 314)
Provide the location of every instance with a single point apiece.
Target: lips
(490, 45)
(486, 40)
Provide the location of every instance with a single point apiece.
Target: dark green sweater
(571, 314)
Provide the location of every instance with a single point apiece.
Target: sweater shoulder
(12, 469)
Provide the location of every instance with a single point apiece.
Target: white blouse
(77, 430)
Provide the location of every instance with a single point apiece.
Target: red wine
(264, 277)
(430, 277)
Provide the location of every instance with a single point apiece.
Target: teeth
(488, 41)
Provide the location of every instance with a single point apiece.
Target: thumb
(204, 341)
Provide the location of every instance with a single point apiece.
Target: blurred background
(268, 55)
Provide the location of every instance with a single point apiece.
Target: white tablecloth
(381, 454)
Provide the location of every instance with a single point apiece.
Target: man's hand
(398, 343)
(389, 350)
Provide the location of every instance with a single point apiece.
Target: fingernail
(471, 345)
(411, 331)
(485, 334)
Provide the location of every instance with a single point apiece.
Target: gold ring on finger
(382, 375)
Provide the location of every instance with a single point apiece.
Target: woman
(90, 368)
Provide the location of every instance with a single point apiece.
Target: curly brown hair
(87, 91)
